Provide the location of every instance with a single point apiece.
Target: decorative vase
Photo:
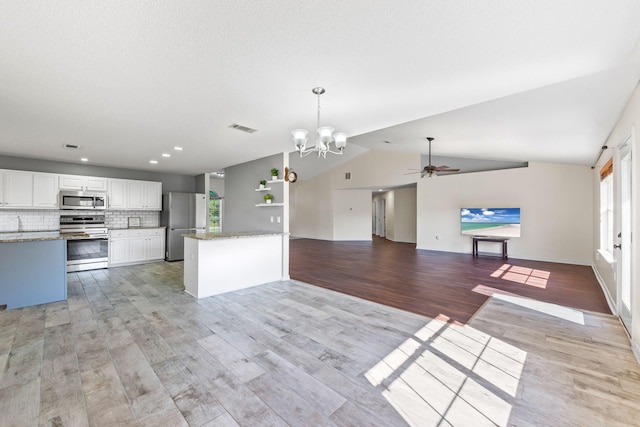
(268, 201)
(274, 177)
(261, 186)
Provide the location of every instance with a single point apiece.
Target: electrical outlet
(271, 219)
(278, 220)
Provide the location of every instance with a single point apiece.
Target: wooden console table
(502, 240)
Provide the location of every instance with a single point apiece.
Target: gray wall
(240, 183)
(217, 185)
(170, 182)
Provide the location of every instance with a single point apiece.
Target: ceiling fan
(430, 169)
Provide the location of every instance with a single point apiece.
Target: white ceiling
(536, 80)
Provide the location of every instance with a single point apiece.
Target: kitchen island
(33, 269)
(215, 263)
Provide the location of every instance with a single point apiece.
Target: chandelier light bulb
(340, 139)
(300, 138)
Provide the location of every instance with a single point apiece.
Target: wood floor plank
(195, 399)
(19, 404)
(61, 388)
(143, 388)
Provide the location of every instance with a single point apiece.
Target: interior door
(624, 255)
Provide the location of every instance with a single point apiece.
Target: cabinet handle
(617, 246)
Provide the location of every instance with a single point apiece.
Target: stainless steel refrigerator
(182, 213)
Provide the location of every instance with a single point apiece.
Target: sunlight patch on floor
(450, 374)
(559, 311)
(523, 275)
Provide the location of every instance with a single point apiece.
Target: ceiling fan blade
(448, 170)
(411, 173)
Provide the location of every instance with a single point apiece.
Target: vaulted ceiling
(536, 80)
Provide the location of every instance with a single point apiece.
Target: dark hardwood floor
(435, 283)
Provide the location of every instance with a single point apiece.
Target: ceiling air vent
(242, 128)
(71, 146)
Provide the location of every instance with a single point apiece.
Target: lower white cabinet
(135, 246)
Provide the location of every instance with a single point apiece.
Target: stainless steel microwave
(87, 200)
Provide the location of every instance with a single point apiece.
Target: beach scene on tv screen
(493, 222)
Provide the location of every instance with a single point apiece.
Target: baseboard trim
(635, 348)
(612, 305)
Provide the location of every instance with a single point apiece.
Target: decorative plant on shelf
(274, 173)
(268, 198)
(263, 182)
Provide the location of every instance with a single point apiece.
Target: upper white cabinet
(27, 190)
(18, 189)
(83, 183)
(153, 195)
(37, 190)
(135, 195)
(117, 196)
(144, 195)
(45, 190)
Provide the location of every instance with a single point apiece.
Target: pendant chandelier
(326, 137)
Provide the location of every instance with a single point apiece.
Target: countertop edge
(229, 236)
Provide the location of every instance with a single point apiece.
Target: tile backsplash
(49, 220)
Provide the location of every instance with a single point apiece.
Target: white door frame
(624, 215)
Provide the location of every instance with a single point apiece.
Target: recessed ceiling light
(84, 159)
(166, 155)
(153, 162)
(380, 189)
(177, 148)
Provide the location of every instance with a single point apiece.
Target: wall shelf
(275, 180)
(263, 189)
(269, 204)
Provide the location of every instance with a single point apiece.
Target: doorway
(215, 214)
(379, 217)
(623, 246)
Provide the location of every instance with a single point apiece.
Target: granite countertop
(37, 236)
(29, 236)
(238, 235)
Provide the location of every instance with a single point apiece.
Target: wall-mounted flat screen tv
(491, 222)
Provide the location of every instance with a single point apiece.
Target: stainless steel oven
(87, 241)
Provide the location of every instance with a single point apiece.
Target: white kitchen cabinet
(134, 195)
(118, 250)
(144, 195)
(83, 183)
(155, 244)
(18, 189)
(27, 190)
(117, 195)
(45, 190)
(138, 249)
(153, 195)
(135, 246)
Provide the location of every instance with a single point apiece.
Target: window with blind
(606, 208)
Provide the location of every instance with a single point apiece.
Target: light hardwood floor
(130, 348)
